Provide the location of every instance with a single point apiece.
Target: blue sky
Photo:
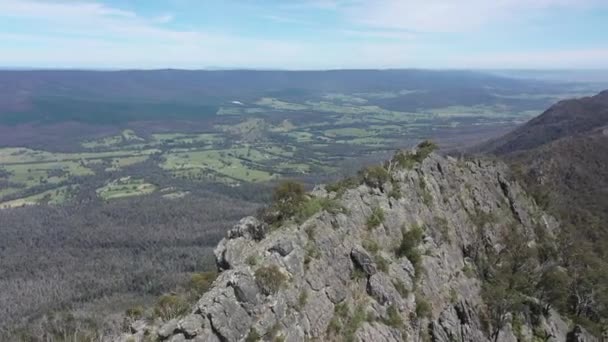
(304, 34)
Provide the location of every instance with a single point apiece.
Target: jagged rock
(283, 247)
(364, 261)
(206, 336)
(380, 287)
(378, 333)
(191, 325)
(178, 338)
(402, 272)
(249, 228)
(463, 208)
(229, 319)
(245, 288)
(318, 312)
(137, 326)
(167, 329)
(578, 334)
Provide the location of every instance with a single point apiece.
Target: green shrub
(252, 260)
(135, 312)
(335, 326)
(400, 287)
(393, 317)
(404, 159)
(376, 218)
(423, 308)
(341, 186)
(341, 310)
(381, 263)
(313, 205)
(409, 245)
(288, 196)
(253, 336)
(453, 296)
(407, 159)
(270, 279)
(201, 283)
(344, 323)
(424, 149)
(312, 252)
(375, 176)
(481, 218)
(371, 246)
(302, 299)
(353, 323)
(427, 199)
(170, 306)
(395, 191)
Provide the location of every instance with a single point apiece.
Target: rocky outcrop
(335, 276)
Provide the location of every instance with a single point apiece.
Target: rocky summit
(409, 251)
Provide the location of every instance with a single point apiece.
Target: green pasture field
(125, 187)
(126, 136)
(54, 196)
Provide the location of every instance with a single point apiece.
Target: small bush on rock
(407, 159)
(270, 279)
(376, 218)
(170, 306)
(288, 196)
(393, 317)
(409, 245)
(201, 283)
(375, 176)
(423, 308)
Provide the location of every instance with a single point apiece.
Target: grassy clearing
(171, 139)
(497, 111)
(300, 136)
(387, 94)
(54, 196)
(127, 136)
(279, 105)
(345, 98)
(245, 127)
(346, 132)
(226, 163)
(229, 111)
(125, 187)
(27, 168)
(21, 155)
(176, 195)
(118, 164)
(31, 175)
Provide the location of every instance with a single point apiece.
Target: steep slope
(564, 119)
(569, 174)
(560, 158)
(424, 248)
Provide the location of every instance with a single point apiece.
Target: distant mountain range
(569, 118)
(50, 96)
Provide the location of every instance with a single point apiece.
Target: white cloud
(91, 34)
(59, 10)
(450, 15)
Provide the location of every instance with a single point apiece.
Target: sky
(304, 34)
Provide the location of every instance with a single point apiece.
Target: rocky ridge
(391, 260)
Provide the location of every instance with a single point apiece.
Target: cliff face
(395, 260)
